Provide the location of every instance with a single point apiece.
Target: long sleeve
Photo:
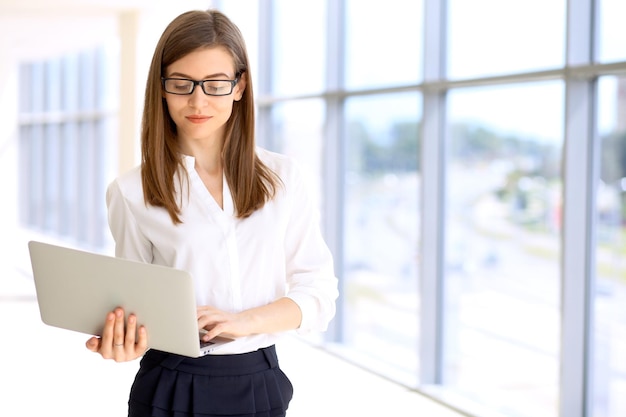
(130, 243)
(309, 264)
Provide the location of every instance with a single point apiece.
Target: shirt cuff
(310, 310)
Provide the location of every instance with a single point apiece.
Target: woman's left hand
(279, 316)
(220, 323)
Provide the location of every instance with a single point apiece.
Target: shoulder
(284, 166)
(296, 182)
(128, 185)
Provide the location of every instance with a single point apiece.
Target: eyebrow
(207, 77)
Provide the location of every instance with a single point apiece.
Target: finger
(118, 329)
(204, 311)
(106, 342)
(213, 332)
(93, 344)
(142, 342)
(209, 320)
(131, 329)
(203, 323)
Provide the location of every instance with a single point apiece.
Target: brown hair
(251, 182)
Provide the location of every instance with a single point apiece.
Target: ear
(241, 86)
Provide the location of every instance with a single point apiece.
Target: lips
(197, 118)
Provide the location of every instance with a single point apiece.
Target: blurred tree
(613, 157)
(397, 152)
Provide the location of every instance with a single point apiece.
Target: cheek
(173, 109)
(225, 108)
(230, 113)
(170, 103)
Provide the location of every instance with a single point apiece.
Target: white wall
(38, 30)
(8, 153)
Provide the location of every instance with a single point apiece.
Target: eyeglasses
(183, 86)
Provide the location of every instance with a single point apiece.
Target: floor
(47, 371)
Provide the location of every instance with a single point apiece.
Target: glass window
(611, 30)
(502, 179)
(492, 37)
(383, 44)
(51, 178)
(52, 85)
(299, 53)
(298, 131)
(107, 78)
(27, 78)
(69, 178)
(37, 88)
(381, 229)
(65, 131)
(245, 14)
(502, 247)
(86, 155)
(24, 177)
(609, 328)
(70, 84)
(86, 78)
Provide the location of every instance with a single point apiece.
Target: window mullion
(432, 163)
(578, 189)
(334, 153)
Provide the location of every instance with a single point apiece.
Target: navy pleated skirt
(243, 385)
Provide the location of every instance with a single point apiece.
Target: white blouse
(236, 264)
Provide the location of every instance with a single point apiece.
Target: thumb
(92, 344)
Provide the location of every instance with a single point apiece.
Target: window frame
(580, 177)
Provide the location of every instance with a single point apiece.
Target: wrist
(251, 322)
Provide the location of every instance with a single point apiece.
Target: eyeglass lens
(210, 87)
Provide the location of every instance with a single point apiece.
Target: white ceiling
(36, 28)
(73, 7)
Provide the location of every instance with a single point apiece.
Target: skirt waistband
(215, 365)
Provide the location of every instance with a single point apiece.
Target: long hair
(251, 182)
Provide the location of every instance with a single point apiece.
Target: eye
(178, 86)
(217, 87)
(181, 86)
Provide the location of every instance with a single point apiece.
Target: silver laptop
(76, 289)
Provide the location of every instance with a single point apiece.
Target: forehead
(204, 62)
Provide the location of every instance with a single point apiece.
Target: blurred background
(469, 159)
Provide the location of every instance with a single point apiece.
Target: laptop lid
(76, 289)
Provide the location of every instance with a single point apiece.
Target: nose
(197, 98)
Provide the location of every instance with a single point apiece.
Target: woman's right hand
(118, 340)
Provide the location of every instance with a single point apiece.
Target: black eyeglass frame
(200, 83)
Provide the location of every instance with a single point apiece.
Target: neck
(207, 153)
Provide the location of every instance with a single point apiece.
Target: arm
(279, 316)
(311, 279)
(309, 302)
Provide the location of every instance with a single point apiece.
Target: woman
(239, 218)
